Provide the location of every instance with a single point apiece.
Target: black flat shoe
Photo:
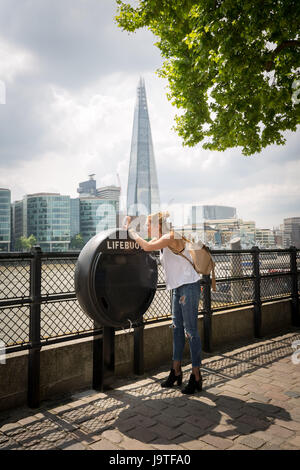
(172, 379)
(193, 385)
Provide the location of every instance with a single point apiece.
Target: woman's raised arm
(154, 245)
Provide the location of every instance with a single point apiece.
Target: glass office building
(5, 219)
(110, 192)
(47, 217)
(17, 222)
(96, 214)
(142, 189)
(75, 216)
(291, 232)
(200, 213)
(88, 188)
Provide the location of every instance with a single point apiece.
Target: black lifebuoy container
(115, 280)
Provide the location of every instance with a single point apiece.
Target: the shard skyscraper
(142, 189)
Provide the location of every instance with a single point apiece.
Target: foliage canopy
(232, 67)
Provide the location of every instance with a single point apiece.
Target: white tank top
(178, 270)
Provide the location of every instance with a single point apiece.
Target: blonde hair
(160, 219)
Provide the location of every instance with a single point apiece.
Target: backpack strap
(213, 277)
(180, 253)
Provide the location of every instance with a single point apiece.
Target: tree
(77, 242)
(232, 67)
(25, 244)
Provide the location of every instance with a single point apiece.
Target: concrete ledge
(276, 316)
(232, 325)
(67, 367)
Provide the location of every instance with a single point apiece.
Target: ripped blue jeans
(185, 301)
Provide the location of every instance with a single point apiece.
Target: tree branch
(283, 45)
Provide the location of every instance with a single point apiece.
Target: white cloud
(70, 113)
(15, 61)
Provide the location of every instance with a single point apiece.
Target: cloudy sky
(70, 76)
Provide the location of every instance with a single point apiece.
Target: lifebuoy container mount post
(115, 279)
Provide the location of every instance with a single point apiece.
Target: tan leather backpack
(202, 259)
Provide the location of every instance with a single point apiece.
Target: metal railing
(42, 284)
(38, 304)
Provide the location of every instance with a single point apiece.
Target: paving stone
(42, 445)
(252, 441)
(224, 431)
(9, 427)
(287, 446)
(236, 390)
(140, 420)
(75, 446)
(16, 431)
(165, 419)
(104, 444)
(251, 387)
(190, 430)
(169, 445)
(113, 436)
(292, 425)
(218, 442)
(61, 409)
(165, 431)
(238, 446)
(142, 434)
(9, 444)
(193, 445)
(270, 446)
(268, 437)
(172, 411)
(259, 398)
(133, 444)
(145, 411)
(280, 397)
(157, 405)
(85, 394)
(280, 431)
(3, 438)
(254, 421)
(199, 421)
(295, 442)
(27, 420)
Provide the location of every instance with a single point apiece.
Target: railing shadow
(150, 414)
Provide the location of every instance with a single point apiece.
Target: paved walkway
(250, 400)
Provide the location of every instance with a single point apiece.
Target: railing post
(207, 314)
(98, 361)
(33, 397)
(257, 299)
(295, 295)
(104, 359)
(138, 348)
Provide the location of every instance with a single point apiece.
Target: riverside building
(5, 219)
(46, 216)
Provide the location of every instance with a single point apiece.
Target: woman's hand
(126, 222)
(133, 234)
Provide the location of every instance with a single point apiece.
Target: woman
(184, 282)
